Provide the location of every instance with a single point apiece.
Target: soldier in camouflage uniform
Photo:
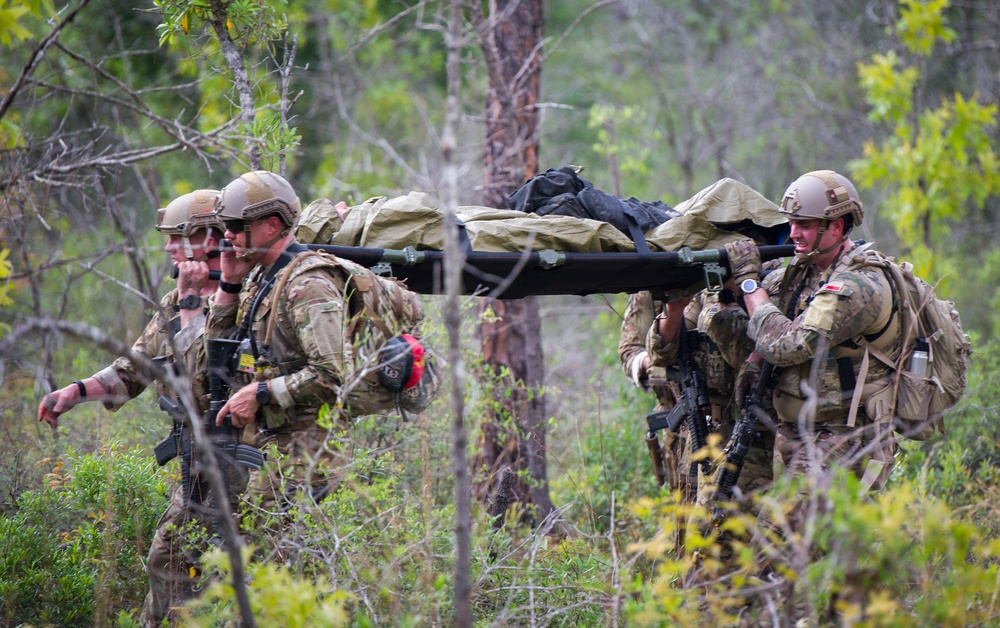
(304, 345)
(830, 303)
(194, 233)
(638, 318)
(722, 348)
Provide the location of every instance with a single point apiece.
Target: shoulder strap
(265, 287)
(876, 259)
(288, 265)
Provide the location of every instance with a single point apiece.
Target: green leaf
(10, 27)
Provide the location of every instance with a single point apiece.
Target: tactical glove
(744, 260)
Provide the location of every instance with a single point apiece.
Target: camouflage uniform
(311, 361)
(172, 555)
(820, 315)
(722, 348)
(636, 322)
(638, 318)
(123, 380)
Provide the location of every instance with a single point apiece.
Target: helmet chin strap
(248, 254)
(189, 250)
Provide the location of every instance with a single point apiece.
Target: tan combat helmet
(188, 213)
(823, 195)
(256, 195)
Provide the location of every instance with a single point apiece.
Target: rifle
(224, 439)
(179, 442)
(222, 357)
(695, 403)
(744, 432)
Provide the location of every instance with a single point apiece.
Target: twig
(36, 57)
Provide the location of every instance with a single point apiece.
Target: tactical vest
(837, 376)
(719, 376)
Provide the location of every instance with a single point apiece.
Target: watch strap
(190, 302)
(263, 393)
(230, 288)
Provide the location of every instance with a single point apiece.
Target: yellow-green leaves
(12, 14)
(10, 23)
(249, 21)
(625, 136)
(888, 90)
(936, 163)
(922, 23)
(5, 300)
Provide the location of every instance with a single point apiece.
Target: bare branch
(240, 77)
(36, 56)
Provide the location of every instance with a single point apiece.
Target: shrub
(73, 550)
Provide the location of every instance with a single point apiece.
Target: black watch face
(190, 302)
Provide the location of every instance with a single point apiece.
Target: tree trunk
(511, 340)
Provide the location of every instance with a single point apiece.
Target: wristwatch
(190, 302)
(263, 394)
(748, 285)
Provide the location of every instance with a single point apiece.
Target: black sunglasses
(234, 225)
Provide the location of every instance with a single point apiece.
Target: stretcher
(512, 254)
(515, 275)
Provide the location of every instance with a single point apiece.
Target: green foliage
(597, 439)
(922, 23)
(526, 579)
(74, 547)
(960, 466)
(380, 548)
(939, 163)
(277, 597)
(10, 27)
(248, 21)
(5, 300)
(12, 12)
(900, 557)
(626, 136)
(275, 139)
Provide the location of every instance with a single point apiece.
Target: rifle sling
(265, 287)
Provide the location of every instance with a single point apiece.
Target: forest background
(110, 109)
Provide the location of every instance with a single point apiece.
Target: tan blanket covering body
(415, 220)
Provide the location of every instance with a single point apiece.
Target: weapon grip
(166, 450)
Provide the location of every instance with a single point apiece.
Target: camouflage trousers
(299, 460)
(303, 466)
(182, 534)
(832, 446)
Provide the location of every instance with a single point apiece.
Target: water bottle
(918, 359)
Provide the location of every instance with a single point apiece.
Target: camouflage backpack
(929, 375)
(385, 317)
(382, 320)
